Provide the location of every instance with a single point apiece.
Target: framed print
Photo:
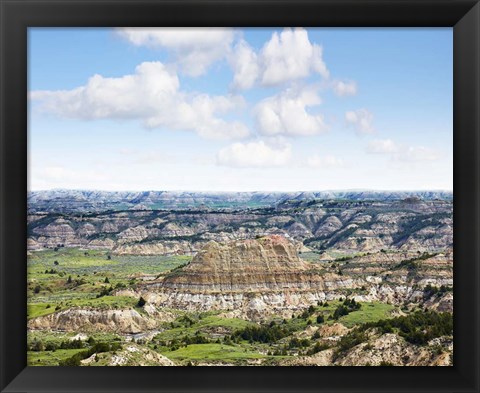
(287, 189)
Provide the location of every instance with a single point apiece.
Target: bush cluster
(262, 334)
(347, 307)
(417, 328)
(430, 291)
(76, 359)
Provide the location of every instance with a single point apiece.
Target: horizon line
(246, 191)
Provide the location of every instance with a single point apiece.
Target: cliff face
(264, 276)
(121, 321)
(266, 264)
(131, 355)
(347, 226)
(253, 277)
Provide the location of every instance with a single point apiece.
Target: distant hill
(83, 201)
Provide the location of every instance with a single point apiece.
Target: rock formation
(256, 276)
(269, 264)
(121, 321)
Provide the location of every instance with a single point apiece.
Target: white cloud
(195, 48)
(245, 66)
(417, 154)
(152, 94)
(344, 88)
(287, 56)
(402, 153)
(325, 162)
(254, 154)
(286, 114)
(361, 120)
(290, 55)
(382, 146)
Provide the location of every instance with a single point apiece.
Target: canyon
(188, 275)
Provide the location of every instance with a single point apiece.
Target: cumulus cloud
(290, 55)
(361, 120)
(285, 57)
(344, 88)
(400, 152)
(382, 146)
(286, 114)
(194, 48)
(325, 162)
(245, 66)
(152, 94)
(254, 154)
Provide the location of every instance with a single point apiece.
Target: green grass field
(106, 302)
(369, 312)
(49, 358)
(73, 277)
(206, 324)
(213, 352)
(35, 310)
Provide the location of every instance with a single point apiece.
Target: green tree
(37, 346)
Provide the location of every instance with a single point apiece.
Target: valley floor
(92, 308)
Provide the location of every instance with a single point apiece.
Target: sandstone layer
(269, 263)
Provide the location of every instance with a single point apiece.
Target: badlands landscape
(351, 278)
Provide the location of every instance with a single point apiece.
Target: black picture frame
(18, 15)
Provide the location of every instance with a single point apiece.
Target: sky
(257, 109)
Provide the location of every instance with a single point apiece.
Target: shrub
(141, 302)
(76, 359)
(417, 328)
(263, 334)
(298, 343)
(51, 346)
(350, 340)
(37, 346)
(105, 291)
(318, 347)
(340, 311)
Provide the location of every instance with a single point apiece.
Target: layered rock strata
(255, 277)
(267, 264)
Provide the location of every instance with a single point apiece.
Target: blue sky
(240, 109)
